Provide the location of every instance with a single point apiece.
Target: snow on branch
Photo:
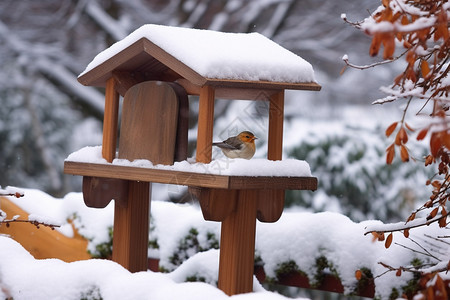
(11, 191)
(105, 21)
(36, 220)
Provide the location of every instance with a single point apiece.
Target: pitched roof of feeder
(203, 57)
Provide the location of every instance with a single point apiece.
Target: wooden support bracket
(98, 192)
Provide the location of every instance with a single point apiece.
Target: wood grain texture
(145, 57)
(126, 79)
(182, 141)
(98, 192)
(110, 121)
(271, 202)
(148, 131)
(189, 178)
(276, 119)
(131, 222)
(270, 205)
(216, 204)
(205, 124)
(149, 123)
(237, 246)
(249, 84)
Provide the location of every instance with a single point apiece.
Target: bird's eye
(247, 136)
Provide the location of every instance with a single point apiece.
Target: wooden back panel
(149, 123)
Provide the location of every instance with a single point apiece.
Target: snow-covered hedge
(311, 243)
(353, 176)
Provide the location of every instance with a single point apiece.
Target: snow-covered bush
(354, 178)
(312, 244)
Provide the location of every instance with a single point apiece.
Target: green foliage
(286, 268)
(190, 245)
(93, 293)
(104, 250)
(195, 278)
(153, 241)
(323, 267)
(364, 281)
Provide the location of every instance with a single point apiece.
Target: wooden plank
(205, 124)
(276, 118)
(149, 123)
(182, 141)
(189, 178)
(231, 93)
(131, 222)
(243, 84)
(267, 182)
(110, 120)
(237, 246)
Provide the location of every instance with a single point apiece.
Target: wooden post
(205, 124)
(271, 202)
(237, 246)
(276, 118)
(148, 129)
(110, 120)
(131, 222)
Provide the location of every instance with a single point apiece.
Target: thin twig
(35, 223)
(387, 61)
(438, 238)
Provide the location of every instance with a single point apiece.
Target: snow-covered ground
(299, 237)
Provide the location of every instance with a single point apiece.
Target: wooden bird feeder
(154, 80)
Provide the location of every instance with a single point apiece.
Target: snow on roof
(219, 55)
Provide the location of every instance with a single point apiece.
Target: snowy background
(46, 115)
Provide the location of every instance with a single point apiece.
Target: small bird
(240, 146)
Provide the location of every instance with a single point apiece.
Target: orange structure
(156, 81)
(43, 242)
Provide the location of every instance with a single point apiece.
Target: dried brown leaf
(388, 242)
(390, 153)
(401, 137)
(435, 143)
(409, 127)
(358, 274)
(375, 45)
(404, 155)
(424, 68)
(406, 233)
(433, 213)
(391, 129)
(421, 135)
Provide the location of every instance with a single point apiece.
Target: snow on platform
(229, 167)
